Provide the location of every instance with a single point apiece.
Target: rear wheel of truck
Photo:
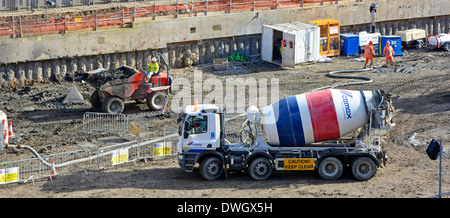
(112, 105)
(330, 168)
(363, 168)
(211, 168)
(260, 169)
(156, 100)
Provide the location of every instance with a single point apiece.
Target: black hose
(367, 79)
(332, 75)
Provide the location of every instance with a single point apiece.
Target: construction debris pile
(117, 75)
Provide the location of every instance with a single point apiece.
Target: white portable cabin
(301, 43)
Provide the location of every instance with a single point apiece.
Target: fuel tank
(317, 116)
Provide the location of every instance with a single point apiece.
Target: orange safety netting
(17, 27)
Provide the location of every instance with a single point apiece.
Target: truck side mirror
(186, 127)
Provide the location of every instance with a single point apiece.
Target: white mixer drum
(318, 116)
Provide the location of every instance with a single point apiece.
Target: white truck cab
(199, 129)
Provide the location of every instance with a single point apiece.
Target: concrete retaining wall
(54, 57)
(150, 34)
(178, 56)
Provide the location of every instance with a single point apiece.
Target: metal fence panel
(27, 169)
(81, 160)
(67, 162)
(93, 121)
(111, 155)
(36, 168)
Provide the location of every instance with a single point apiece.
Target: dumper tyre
(156, 100)
(260, 169)
(330, 168)
(211, 168)
(363, 168)
(113, 105)
(94, 99)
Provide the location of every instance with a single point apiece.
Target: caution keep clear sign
(299, 164)
(119, 156)
(9, 175)
(161, 149)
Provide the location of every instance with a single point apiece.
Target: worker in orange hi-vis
(369, 52)
(388, 52)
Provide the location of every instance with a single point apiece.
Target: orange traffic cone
(10, 131)
(53, 172)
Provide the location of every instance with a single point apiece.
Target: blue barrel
(349, 44)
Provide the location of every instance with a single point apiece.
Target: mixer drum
(318, 116)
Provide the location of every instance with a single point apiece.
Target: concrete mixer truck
(324, 130)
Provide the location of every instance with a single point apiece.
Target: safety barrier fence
(93, 121)
(107, 156)
(19, 26)
(83, 160)
(135, 150)
(16, 5)
(137, 125)
(39, 168)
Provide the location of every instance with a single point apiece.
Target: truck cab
(199, 134)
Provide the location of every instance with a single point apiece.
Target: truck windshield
(196, 124)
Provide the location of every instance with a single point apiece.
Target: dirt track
(422, 113)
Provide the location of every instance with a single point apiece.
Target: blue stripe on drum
(296, 121)
(289, 123)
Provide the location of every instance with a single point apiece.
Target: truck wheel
(211, 168)
(260, 169)
(330, 168)
(363, 168)
(112, 105)
(155, 101)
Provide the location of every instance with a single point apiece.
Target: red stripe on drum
(323, 115)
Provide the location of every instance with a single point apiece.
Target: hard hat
(388, 43)
(153, 59)
(370, 43)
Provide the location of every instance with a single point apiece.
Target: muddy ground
(422, 113)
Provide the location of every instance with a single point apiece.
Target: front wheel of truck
(211, 168)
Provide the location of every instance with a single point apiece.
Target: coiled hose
(365, 78)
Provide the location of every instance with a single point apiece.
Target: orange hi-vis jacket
(388, 50)
(369, 51)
